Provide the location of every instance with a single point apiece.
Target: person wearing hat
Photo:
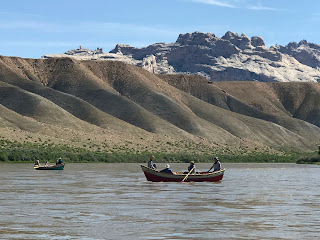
(216, 165)
(59, 161)
(151, 164)
(167, 169)
(193, 167)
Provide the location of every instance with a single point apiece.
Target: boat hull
(52, 167)
(156, 176)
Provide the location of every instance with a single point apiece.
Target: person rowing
(192, 168)
(59, 161)
(216, 165)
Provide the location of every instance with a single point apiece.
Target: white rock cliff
(229, 58)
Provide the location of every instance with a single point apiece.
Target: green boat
(50, 167)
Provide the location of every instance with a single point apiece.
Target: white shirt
(150, 164)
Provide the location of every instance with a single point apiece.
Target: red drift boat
(157, 176)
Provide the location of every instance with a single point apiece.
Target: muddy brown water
(114, 201)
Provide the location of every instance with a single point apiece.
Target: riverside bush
(30, 152)
(306, 160)
(3, 157)
(312, 159)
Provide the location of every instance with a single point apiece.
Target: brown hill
(280, 103)
(119, 103)
(11, 119)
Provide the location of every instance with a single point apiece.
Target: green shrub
(29, 152)
(3, 157)
(306, 160)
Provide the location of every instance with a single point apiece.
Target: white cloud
(16, 25)
(8, 14)
(216, 3)
(39, 43)
(260, 7)
(244, 4)
(84, 27)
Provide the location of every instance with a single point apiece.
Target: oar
(187, 174)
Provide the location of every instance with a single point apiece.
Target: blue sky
(33, 28)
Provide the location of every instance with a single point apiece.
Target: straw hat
(167, 166)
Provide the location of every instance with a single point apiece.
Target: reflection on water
(114, 201)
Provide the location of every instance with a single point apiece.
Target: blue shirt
(167, 170)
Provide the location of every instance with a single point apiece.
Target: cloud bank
(244, 4)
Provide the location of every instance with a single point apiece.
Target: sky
(33, 28)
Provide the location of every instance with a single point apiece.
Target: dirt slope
(130, 104)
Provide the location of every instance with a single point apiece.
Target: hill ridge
(125, 104)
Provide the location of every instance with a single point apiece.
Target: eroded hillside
(124, 105)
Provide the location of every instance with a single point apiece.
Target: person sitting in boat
(151, 164)
(216, 165)
(192, 167)
(167, 169)
(59, 161)
(37, 163)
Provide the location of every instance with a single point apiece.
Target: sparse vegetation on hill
(30, 152)
(115, 108)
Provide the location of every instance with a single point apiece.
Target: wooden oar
(187, 174)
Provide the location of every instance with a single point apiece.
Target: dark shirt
(190, 167)
(167, 170)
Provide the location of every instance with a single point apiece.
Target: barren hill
(121, 104)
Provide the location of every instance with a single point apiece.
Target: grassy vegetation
(46, 151)
(313, 159)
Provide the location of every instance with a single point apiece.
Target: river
(114, 201)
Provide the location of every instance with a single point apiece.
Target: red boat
(157, 176)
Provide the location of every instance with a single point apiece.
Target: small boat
(50, 167)
(157, 176)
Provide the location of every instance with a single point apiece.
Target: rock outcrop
(232, 57)
(306, 53)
